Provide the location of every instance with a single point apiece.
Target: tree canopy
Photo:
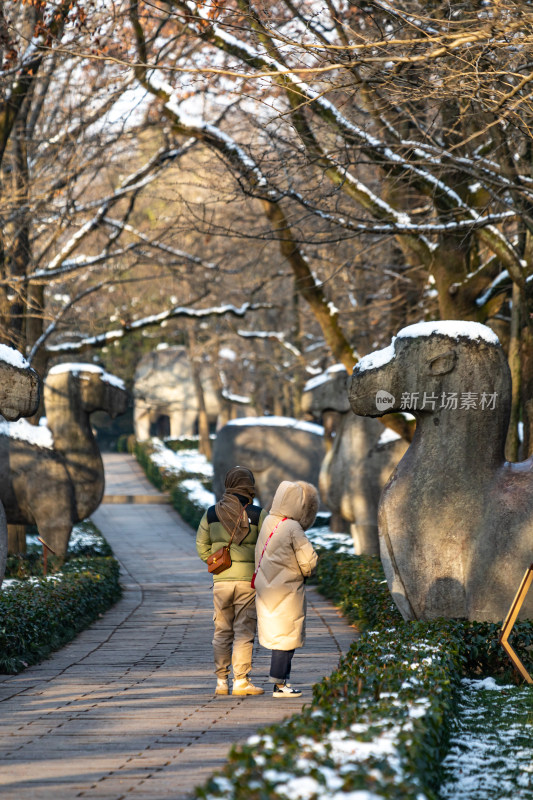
(370, 158)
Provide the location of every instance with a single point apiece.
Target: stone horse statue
(55, 475)
(19, 397)
(455, 519)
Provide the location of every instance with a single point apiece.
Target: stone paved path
(127, 710)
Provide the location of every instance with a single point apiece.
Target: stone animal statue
(19, 397)
(358, 462)
(455, 519)
(165, 396)
(54, 474)
(274, 448)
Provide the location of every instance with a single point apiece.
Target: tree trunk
(513, 440)
(527, 392)
(204, 444)
(16, 539)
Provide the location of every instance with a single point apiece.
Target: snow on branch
(155, 319)
(156, 244)
(132, 183)
(356, 135)
(277, 335)
(206, 131)
(400, 222)
(240, 399)
(81, 261)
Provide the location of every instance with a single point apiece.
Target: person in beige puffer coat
(284, 557)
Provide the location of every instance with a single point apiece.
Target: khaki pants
(235, 621)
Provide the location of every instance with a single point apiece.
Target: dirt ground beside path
(127, 709)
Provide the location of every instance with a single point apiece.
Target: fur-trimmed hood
(298, 501)
(284, 557)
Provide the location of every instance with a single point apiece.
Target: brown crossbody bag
(221, 559)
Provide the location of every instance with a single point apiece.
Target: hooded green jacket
(212, 535)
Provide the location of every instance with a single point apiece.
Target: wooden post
(510, 621)
(46, 548)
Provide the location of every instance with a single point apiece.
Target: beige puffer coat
(288, 559)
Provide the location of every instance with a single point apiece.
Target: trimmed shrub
(380, 723)
(39, 615)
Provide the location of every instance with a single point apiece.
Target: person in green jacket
(235, 616)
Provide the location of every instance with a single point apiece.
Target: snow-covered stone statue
(274, 448)
(165, 397)
(455, 519)
(19, 397)
(54, 474)
(359, 462)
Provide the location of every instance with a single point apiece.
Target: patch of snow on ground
(81, 537)
(12, 583)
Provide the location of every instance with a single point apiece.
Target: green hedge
(380, 722)
(40, 615)
(37, 617)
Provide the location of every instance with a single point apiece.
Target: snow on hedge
(197, 493)
(487, 761)
(182, 461)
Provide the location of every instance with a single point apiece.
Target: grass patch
(381, 722)
(38, 615)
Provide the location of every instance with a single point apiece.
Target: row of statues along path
(454, 525)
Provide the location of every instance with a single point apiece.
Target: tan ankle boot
(242, 686)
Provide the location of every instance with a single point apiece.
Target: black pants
(280, 666)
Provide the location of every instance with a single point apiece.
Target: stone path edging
(127, 709)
